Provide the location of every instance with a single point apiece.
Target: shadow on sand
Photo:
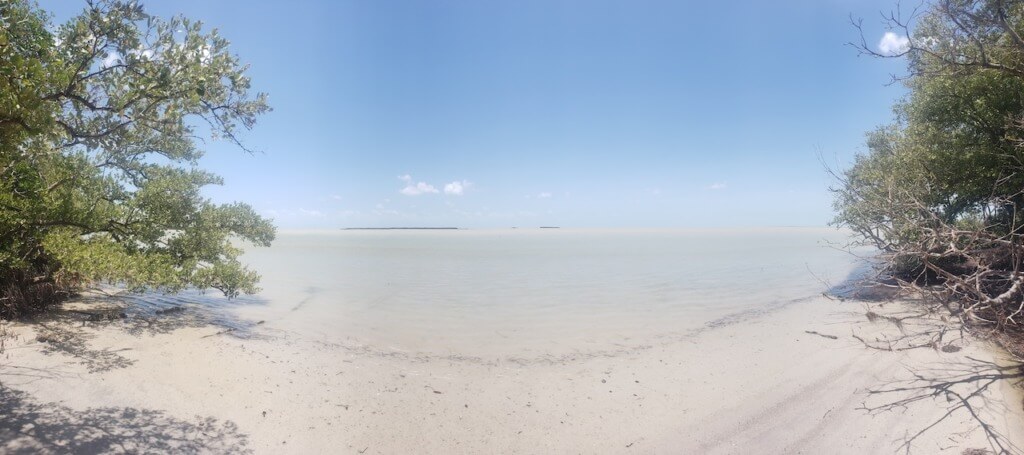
(962, 388)
(28, 426)
(68, 329)
(960, 385)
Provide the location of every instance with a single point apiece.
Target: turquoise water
(507, 292)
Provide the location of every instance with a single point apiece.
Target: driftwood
(972, 268)
(831, 337)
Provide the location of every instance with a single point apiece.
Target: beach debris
(898, 322)
(221, 333)
(833, 297)
(831, 337)
(105, 315)
(171, 310)
(437, 392)
(949, 348)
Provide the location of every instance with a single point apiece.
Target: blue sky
(527, 113)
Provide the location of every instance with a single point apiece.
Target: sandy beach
(573, 227)
(793, 379)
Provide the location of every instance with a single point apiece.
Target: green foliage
(954, 157)
(941, 191)
(98, 122)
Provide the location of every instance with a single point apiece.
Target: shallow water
(528, 293)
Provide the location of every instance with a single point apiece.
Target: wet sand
(790, 380)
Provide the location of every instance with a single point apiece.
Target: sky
(589, 113)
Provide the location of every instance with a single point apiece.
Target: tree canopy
(102, 120)
(940, 191)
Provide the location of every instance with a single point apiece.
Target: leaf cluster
(941, 191)
(101, 123)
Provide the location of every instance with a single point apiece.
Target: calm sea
(533, 292)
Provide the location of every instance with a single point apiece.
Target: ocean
(530, 293)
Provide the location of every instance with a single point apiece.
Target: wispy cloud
(717, 186)
(312, 213)
(892, 44)
(456, 188)
(336, 197)
(544, 195)
(415, 189)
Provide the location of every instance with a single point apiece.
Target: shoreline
(771, 382)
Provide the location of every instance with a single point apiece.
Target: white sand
(752, 384)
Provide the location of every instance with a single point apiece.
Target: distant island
(395, 228)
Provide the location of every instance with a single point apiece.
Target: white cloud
(892, 44)
(418, 189)
(544, 195)
(336, 197)
(312, 213)
(717, 186)
(415, 189)
(456, 188)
